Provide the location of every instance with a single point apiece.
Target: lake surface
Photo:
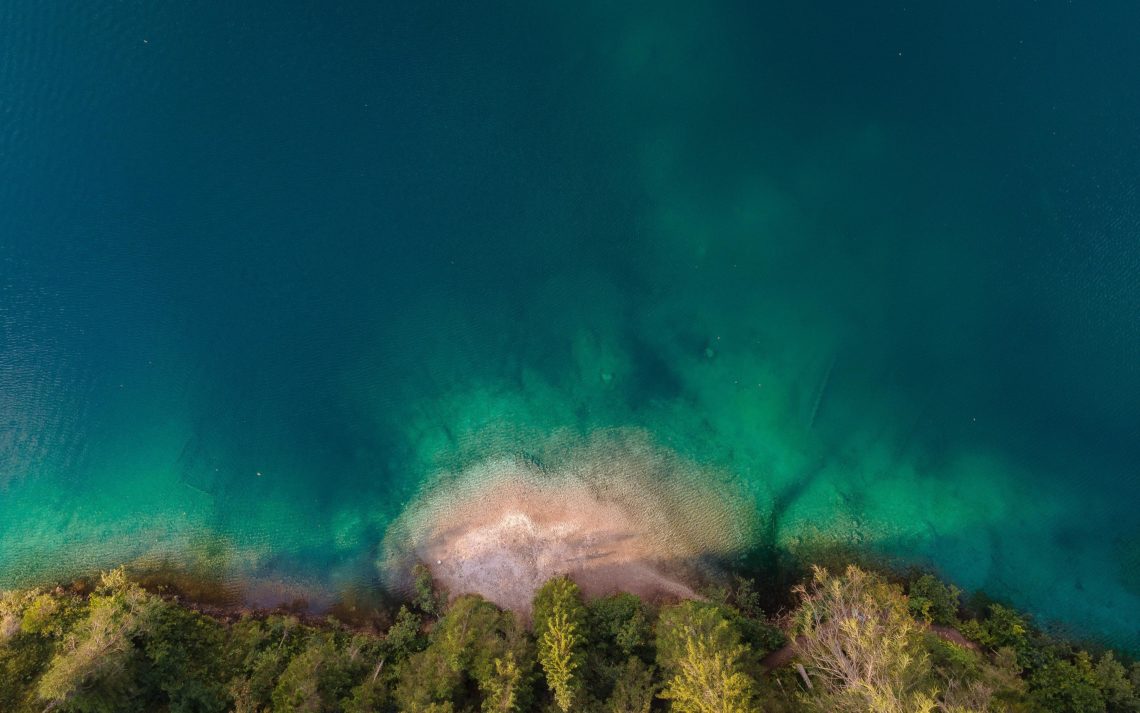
(267, 267)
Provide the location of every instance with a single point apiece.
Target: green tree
(635, 688)
(370, 695)
(619, 627)
(934, 602)
(403, 637)
(383, 660)
(94, 666)
(741, 603)
(1067, 687)
(426, 597)
(257, 652)
(473, 643)
(31, 623)
(558, 652)
(181, 662)
(501, 688)
(1115, 685)
(316, 679)
(427, 679)
(856, 634)
(705, 660)
(559, 625)
(1004, 627)
(41, 615)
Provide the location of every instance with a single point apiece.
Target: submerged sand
(615, 515)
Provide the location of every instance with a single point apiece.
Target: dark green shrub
(316, 679)
(1067, 687)
(426, 597)
(618, 627)
(183, 666)
(933, 601)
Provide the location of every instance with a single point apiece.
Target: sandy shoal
(612, 519)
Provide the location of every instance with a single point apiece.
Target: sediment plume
(614, 513)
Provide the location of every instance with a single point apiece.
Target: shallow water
(265, 269)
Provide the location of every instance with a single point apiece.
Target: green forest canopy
(854, 642)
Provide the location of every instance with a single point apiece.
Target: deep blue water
(265, 267)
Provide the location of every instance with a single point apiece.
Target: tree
(403, 637)
(970, 697)
(425, 680)
(370, 695)
(257, 652)
(32, 623)
(619, 627)
(933, 601)
(501, 689)
(855, 632)
(474, 643)
(316, 679)
(634, 690)
(559, 625)
(94, 659)
(1004, 627)
(41, 616)
(1067, 687)
(709, 681)
(427, 598)
(1118, 691)
(558, 654)
(180, 660)
(705, 659)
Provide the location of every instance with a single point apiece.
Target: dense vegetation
(854, 642)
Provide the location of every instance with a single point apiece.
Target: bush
(1067, 687)
(618, 627)
(1115, 685)
(180, 660)
(1003, 627)
(426, 597)
(934, 602)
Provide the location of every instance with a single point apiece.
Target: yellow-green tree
(96, 653)
(709, 681)
(558, 655)
(857, 636)
(501, 689)
(559, 618)
(706, 662)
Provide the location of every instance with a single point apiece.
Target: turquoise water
(264, 270)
